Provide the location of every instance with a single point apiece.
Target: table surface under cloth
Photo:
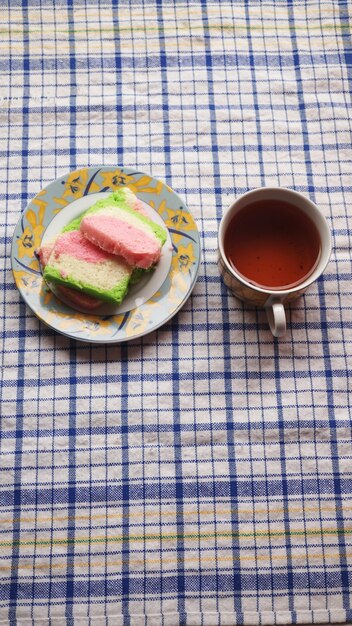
(201, 474)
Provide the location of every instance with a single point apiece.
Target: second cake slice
(75, 262)
(114, 226)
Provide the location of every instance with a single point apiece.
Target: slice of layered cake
(118, 228)
(76, 263)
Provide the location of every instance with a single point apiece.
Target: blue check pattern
(201, 475)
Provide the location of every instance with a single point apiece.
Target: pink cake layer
(76, 245)
(117, 236)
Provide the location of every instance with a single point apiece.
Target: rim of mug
(310, 278)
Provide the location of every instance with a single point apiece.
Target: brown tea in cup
(272, 244)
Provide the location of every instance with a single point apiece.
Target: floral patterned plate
(151, 302)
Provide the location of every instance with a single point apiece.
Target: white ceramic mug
(273, 300)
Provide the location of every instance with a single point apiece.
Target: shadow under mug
(272, 300)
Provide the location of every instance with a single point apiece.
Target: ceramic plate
(153, 300)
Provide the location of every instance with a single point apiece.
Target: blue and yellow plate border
(161, 307)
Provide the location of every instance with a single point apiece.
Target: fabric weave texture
(200, 475)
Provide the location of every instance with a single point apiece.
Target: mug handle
(275, 312)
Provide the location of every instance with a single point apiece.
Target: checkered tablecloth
(201, 475)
